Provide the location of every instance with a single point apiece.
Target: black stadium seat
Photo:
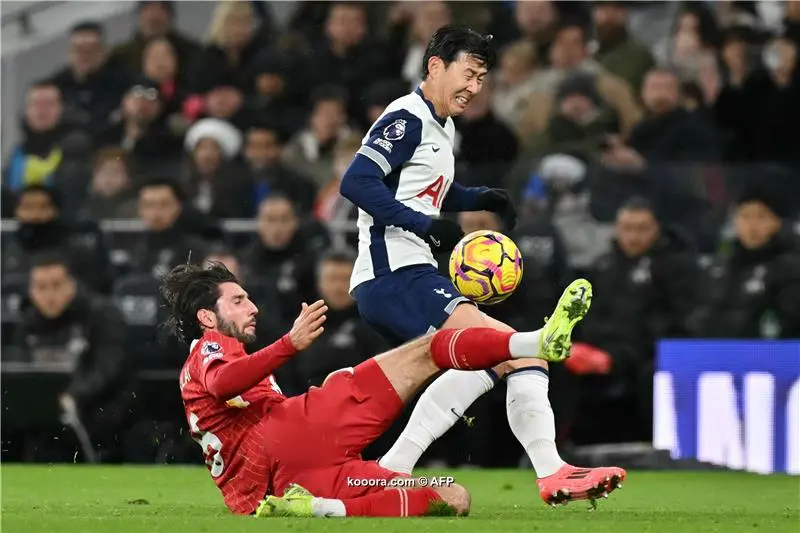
(144, 311)
(13, 299)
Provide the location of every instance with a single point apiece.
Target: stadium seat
(13, 299)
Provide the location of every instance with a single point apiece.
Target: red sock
(392, 503)
(470, 349)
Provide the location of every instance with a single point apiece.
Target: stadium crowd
(651, 147)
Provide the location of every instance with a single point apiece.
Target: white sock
(327, 507)
(531, 419)
(524, 344)
(439, 407)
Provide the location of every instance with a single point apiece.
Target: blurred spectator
(111, 193)
(160, 64)
(169, 238)
(669, 134)
(92, 83)
(481, 137)
(330, 205)
(277, 91)
(215, 185)
(268, 173)
(759, 113)
(310, 151)
(516, 81)
(222, 73)
(569, 56)
(580, 121)
(156, 20)
(378, 96)
(284, 253)
(346, 341)
(755, 289)
(537, 22)
(691, 50)
(52, 149)
(346, 56)
(426, 18)
(617, 51)
(140, 128)
(42, 228)
(646, 288)
(68, 328)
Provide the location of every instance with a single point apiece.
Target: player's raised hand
(308, 325)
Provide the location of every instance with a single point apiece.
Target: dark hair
(54, 193)
(638, 203)
(281, 196)
(91, 26)
(175, 187)
(189, 288)
(450, 40)
(50, 258)
(45, 83)
(338, 255)
(570, 24)
(329, 92)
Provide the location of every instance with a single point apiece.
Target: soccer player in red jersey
(259, 445)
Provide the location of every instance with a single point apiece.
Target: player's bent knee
(456, 496)
(517, 364)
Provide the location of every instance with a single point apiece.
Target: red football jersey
(230, 432)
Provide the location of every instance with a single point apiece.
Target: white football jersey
(414, 149)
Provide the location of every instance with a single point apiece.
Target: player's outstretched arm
(230, 376)
(460, 198)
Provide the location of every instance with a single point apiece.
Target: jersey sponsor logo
(395, 131)
(383, 143)
(210, 351)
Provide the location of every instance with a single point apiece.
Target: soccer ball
(486, 267)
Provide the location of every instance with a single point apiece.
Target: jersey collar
(440, 120)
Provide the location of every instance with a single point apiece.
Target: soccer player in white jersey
(401, 179)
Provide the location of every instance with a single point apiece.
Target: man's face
(327, 119)
(85, 52)
(333, 284)
(568, 49)
(36, 207)
(458, 83)
(577, 108)
(609, 19)
(277, 223)
(154, 20)
(235, 315)
(636, 231)
(263, 148)
(535, 17)
(478, 220)
(140, 104)
(43, 108)
(346, 25)
(755, 225)
(51, 290)
(660, 92)
(158, 207)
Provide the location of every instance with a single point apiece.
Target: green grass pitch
(85, 499)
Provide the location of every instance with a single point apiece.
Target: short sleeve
(393, 140)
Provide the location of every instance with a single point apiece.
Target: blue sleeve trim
(460, 198)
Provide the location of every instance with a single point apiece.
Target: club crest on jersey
(210, 351)
(395, 131)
